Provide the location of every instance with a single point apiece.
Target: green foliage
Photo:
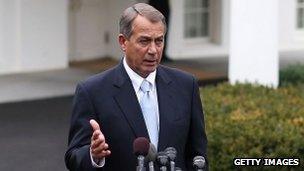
(293, 75)
(253, 121)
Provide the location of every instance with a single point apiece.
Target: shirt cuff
(97, 163)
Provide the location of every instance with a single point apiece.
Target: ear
(122, 41)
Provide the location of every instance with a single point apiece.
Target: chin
(150, 70)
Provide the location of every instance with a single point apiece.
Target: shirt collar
(137, 79)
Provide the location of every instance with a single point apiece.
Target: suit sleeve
(77, 157)
(197, 141)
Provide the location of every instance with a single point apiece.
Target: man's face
(144, 48)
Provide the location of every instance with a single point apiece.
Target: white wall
(89, 22)
(115, 10)
(87, 28)
(217, 45)
(290, 37)
(8, 36)
(1, 25)
(34, 35)
(43, 34)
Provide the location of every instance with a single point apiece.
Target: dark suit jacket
(110, 99)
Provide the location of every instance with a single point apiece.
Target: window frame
(299, 5)
(197, 11)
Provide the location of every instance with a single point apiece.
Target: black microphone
(140, 149)
(162, 160)
(171, 153)
(151, 157)
(199, 163)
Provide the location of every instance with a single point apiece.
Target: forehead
(143, 26)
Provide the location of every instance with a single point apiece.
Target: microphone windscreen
(171, 153)
(141, 146)
(199, 162)
(151, 156)
(162, 158)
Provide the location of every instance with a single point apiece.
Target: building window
(196, 18)
(300, 14)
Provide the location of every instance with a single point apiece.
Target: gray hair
(145, 10)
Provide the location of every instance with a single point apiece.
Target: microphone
(162, 160)
(199, 163)
(151, 157)
(178, 169)
(171, 153)
(140, 149)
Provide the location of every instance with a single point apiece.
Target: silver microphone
(199, 163)
(140, 149)
(162, 160)
(178, 169)
(151, 157)
(171, 153)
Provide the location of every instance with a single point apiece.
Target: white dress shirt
(136, 82)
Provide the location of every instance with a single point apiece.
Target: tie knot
(146, 86)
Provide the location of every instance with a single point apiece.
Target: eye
(144, 41)
(159, 41)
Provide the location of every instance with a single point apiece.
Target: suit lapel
(128, 103)
(166, 106)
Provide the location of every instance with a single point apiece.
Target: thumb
(94, 125)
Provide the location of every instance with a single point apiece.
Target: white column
(33, 35)
(254, 42)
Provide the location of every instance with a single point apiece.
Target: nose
(152, 48)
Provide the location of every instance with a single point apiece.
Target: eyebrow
(147, 37)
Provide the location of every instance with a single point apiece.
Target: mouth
(150, 62)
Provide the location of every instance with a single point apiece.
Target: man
(113, 108)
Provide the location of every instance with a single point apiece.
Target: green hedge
(293, 74)
(253, 121)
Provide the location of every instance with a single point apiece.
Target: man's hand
(99, 147)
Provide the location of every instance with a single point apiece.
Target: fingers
(99, 148)
(94, 125)
(97, 135)
(97, 139)
(100, 151)
(101, 155)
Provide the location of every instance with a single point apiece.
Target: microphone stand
(172, 165)
(140, 166)
(171, 153)
(162, 159)
(163, 168)
(151, 166)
